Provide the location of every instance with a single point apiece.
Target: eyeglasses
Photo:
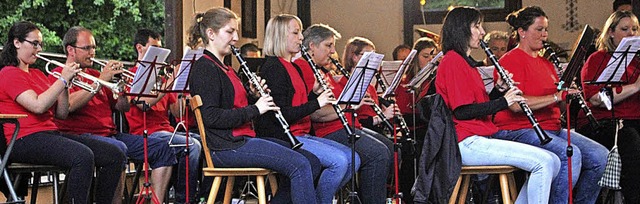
(86, 48)
(35, 44)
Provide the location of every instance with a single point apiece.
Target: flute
(583, 105)
(542, 135)
(325, 86)
(253, 79)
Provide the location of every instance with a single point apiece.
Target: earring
(523, 37)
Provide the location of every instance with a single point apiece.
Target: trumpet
(127, 76)
(116, 88)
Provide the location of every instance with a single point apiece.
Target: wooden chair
(505, 174)
(218, 173)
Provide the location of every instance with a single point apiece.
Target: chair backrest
(196, 103)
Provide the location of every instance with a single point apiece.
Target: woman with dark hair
(626, 102)
(538, 79)
(283, 37)
(25, 90)
(375, 156)
(227, 114)
(460, 85)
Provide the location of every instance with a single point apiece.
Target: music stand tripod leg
(146, 188)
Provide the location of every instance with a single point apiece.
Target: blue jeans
(194, 159)
(160, 154)
(587, 163)
(78, 154)
(336, 159)
(375, 167)
(261, 153)
(543, 165)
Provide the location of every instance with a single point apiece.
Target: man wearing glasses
(90, 113)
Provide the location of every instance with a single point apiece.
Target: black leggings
(628, 144)
(78, 154)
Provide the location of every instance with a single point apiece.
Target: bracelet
(555, 98)
(64, 81)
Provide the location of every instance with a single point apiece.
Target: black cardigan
(216, 90)
(282, 90)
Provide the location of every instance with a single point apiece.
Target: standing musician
(79, 46)
(283, 37)
(25, 90)
(158, 121)
(320, 39)
(463, 91)
(538, 78)
(626, 100)
(227, 114)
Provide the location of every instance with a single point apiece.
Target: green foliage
(113, 22)
(439, 5)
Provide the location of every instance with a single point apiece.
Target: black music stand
(353, 93)
(147, 80)
(180, 84)
(614, 72)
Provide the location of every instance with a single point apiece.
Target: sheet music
(190, 56)
(388, 70)
(396, 80)
(618, 63)
(143, 72)
(362, 75)
(486, 72)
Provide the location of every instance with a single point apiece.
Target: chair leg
(274, 184)
(462, 199)
(55, 187)
(262, 197)
(512, 187)
(34, 186)
(454, 195)
(504, 188)
(229, 189)
(214, 190)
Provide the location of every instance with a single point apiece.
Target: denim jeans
(336, 159)
(587, 163)
(160, 154)
(194, 157)
(375, 167)
(543, 165)
(79, 154)
(261, 153)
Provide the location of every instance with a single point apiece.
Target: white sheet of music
(361, 78)
(388, 70)
(190, 56)
(617, 65)
(396, 80)
(153, 53)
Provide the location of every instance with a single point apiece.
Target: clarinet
(542, 135)
(325, 86)
(404, 128)
(583, 105)
(375, 107)
(253, 79)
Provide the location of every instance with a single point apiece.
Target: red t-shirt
(15, 82)
(307, 74)
(460, 84)
(157, 117)
(97, 110)
(537, 77)
(302, 126)
(404, 98)
(324, 128)
(626, 109)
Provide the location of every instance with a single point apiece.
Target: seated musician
(538, 79)
(97, 107)
(25, 90)
(158, 122)
(226, 112)
(320, 39)
(626, 99)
